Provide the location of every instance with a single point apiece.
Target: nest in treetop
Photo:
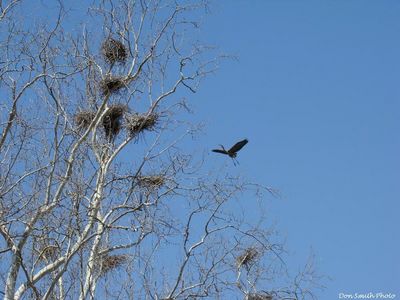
(114, 51)
(151, 182)
(247, 257)
(112, 119)
(111, 262)
(84, 118)
(111, 84)
(258, 297)
(137, 123)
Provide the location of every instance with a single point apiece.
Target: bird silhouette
(232, 152)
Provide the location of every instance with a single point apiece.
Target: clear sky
(316, 91)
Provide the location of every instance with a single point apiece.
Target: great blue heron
(232, 152)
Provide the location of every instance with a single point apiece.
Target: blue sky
(316, 90)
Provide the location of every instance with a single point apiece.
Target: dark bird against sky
(232, 152)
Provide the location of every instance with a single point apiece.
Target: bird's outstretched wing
(239, 145)
(219, 151)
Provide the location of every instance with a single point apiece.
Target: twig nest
(114, 51)
(112, 262)
(259, 297)
(111, 84)
(151, 182)
(137, 123)
(84, 118)
(247, 258)
(112, 120)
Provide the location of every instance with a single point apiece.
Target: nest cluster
(114, 51)
(113, 121)
(259, 297)
(111, 262)
(137, 123)
(111, 84)
(247, 257)
(151, 182)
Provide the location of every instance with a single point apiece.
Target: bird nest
(247, 258)
(259, 296)
(84, 118)
(112, 119)
(112, 262)
(111, 84)
(138, 123)
(114, 51)
(151, 182)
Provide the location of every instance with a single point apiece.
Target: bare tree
(97, 198)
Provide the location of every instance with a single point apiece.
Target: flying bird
(232, 152)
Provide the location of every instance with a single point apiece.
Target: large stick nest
(151, 182)
(247, 258)
(84, 118)
(112, 120)
(112, 262)
(137, 123)
(111, 84)
(114, 51)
